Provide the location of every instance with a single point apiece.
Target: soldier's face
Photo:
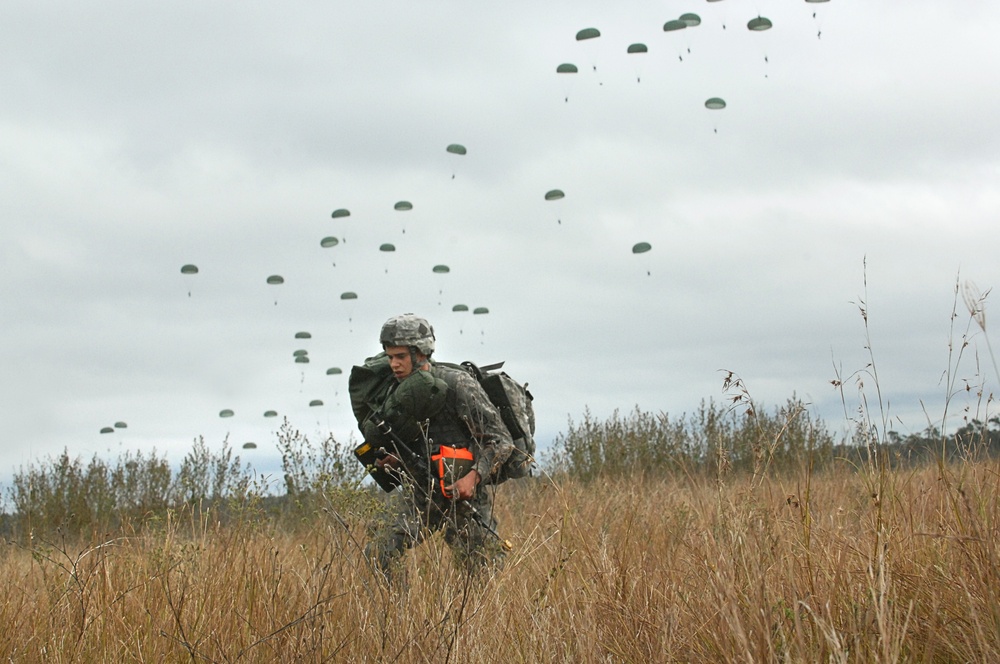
(400, 361)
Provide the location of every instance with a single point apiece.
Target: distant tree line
(70, 497)
(737, 438)
(67, 497)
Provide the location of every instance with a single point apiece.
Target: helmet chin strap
(417, 364)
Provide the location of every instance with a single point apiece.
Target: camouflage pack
(514, 402)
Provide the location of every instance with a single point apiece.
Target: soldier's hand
(465, 488)
(390, 460)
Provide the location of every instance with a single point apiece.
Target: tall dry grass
(853, 565)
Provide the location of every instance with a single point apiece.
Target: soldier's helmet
(408, 330)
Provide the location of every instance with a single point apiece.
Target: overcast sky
(858, 144)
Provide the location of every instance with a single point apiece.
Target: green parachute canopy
(189, 269)
(300, 352)
(303, 335)
(315, 402)
(816, 1)
(328, 242)
(637, 48)
(107, 430)
(566, 68)
(226, 413)
(456, 148)
(302, 359)
(334, 371)
(588, 33)
(554, 194)
(759, 24)
(641, 247)
(460, 307)
(270, 413)
(342, 212)
(388, 246)
(275, 279)
(121, 425)
(676, 24)
(440, 269)
(349, 295)
(715, 103)
(403, 206)
(249, 446)
(690, 20)
(480, 310)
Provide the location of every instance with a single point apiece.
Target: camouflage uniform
(468, 419)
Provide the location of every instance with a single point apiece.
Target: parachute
(588, 35)
(270, 413)
(349, 296)
(555, 195)
(189, 269)
(760, 24)
(328, 242)
(302, 359)
(334, 371)
(403, 206)
(303, 335)
(121, 425)
(315, 402)
(440, 269)
(455, 148)
(637, 48)
(387, 248)
(300, 352)
(342, 212)
(249, 446)
(481, 311)
(715, 104)
(226, 413)
(641, 248)
(275, 280)
(107, 430)
(681, 23)
(566, 68)
(460, 307)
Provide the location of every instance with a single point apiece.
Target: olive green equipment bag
(388, 413)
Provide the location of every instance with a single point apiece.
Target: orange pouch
(451, 464)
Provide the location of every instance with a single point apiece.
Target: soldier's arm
(491, 442)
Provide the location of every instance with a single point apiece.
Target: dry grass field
(851, 565)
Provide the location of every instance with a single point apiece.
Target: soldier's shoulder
(456, 377)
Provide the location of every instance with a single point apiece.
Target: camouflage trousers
(413, 515)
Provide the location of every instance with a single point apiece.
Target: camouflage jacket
(469, 405)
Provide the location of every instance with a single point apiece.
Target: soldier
(442, 417)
